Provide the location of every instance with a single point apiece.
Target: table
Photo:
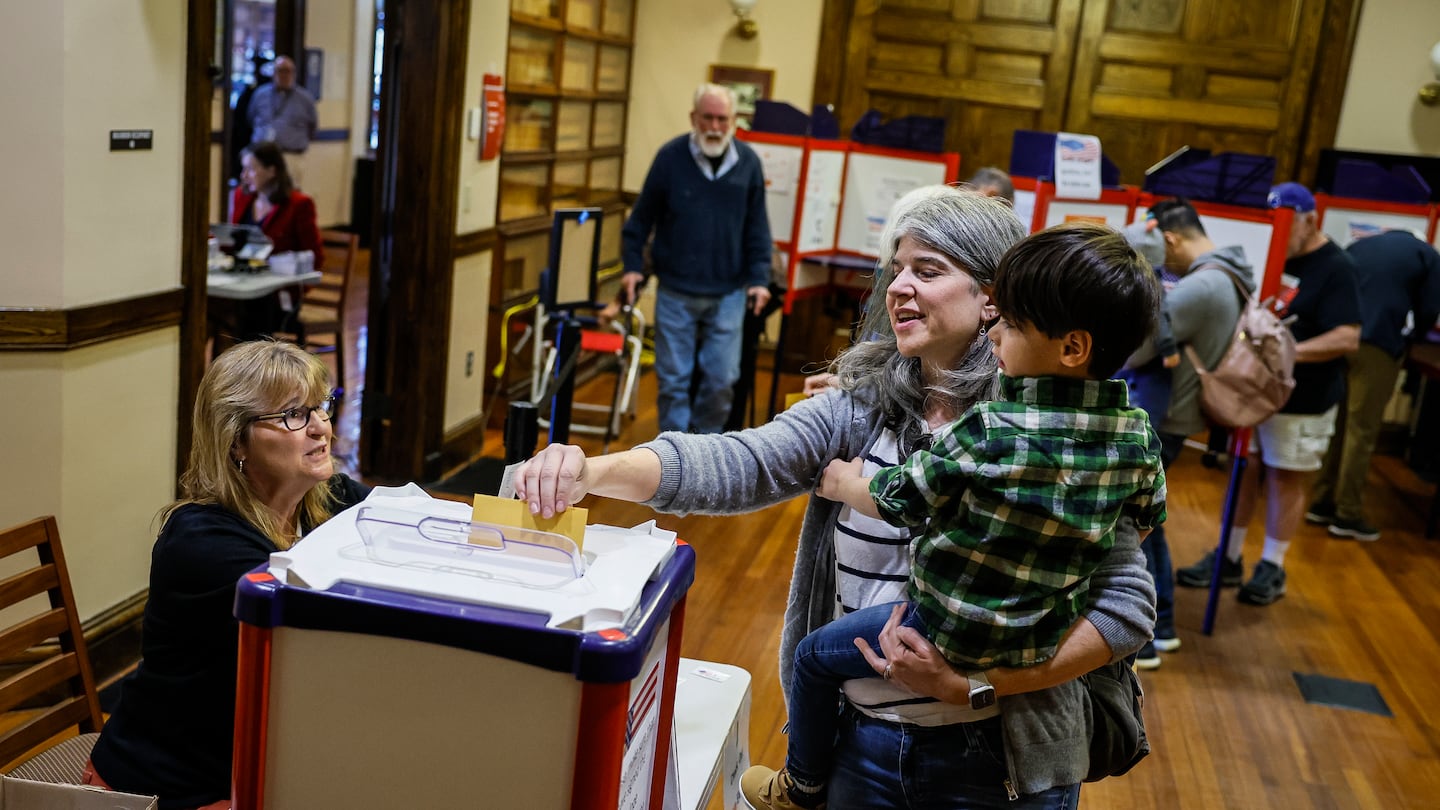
(241, 305)
(712, 732)
(242, 286)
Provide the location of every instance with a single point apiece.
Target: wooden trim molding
(468, 244)
(194, 215)
(426, 42)
(26, 329)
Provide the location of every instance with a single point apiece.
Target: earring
(241, 464)
(983, 331)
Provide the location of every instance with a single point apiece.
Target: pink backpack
(1256, 374)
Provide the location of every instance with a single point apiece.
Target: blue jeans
(1157, 552)
(893, 766)
(691, 330)
(824, 660)
(871, 763)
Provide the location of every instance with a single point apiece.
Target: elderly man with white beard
(704, 202)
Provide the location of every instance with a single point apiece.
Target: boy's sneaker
(1356, 529)
(1321, 514)
(763, 788)
(1147, 658)
(1265, 586)
(1166, 644)
(1198, 575)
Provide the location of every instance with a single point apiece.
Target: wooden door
(1146, 76)
(988, 67)
(1225, 75)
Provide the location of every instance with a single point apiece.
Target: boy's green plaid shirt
(1018, 501)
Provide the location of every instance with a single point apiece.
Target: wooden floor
(1226, 719)
(1228, 724)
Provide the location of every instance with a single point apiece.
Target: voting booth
(404, 655)
(1345, 219)
(829, 200)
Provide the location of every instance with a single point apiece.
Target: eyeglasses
(298, 418)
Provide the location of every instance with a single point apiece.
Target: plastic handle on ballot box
(511, 554)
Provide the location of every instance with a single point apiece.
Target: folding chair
(55, 675)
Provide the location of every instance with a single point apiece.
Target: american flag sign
(1078, 149)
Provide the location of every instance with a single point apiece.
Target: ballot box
(403, 655)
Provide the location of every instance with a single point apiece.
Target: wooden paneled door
(987, 67)
(1146, 76)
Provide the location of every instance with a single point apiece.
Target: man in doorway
(283, 112)
(1399, 277)
(1319, 298)
(703, 203)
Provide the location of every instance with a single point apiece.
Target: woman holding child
(928, 361)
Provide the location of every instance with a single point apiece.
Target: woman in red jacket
(267, 197)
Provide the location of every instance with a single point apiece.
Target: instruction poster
(781, 166)
(822, 201)
(872, 185)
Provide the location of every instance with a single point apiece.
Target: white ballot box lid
(401, 539)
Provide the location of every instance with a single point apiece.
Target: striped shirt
(1018, 501)
(872, 557)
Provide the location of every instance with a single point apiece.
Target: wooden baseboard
(113, 637)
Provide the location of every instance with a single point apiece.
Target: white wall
(80, 201)
(1381, 111)
(675, 44)
(329, 167)
(88, 435)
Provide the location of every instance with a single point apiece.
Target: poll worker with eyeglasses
(260, 476)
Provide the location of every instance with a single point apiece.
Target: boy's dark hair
(1081, 276)
(1178, 215)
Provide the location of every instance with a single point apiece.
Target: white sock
(1237, 543)
(1275, 550)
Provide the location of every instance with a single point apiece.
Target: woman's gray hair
(973, 232)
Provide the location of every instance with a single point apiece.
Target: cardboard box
(22, 794)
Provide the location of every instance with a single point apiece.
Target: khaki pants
(1369, 382)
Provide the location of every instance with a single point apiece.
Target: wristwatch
(982, 694)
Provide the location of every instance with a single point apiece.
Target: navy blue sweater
(711, 236)
(1398, 274)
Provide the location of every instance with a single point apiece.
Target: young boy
(1017, 499)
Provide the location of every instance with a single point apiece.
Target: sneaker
(763, 788)
(1265, 586)
(1147, 658)
(1356, 529)
(1198, 575)
(1321, 514)
(1168, 644)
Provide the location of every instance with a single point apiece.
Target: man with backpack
(1203, 307)
(1319, 299)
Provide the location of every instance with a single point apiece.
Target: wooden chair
(321, 320)
(57, 676)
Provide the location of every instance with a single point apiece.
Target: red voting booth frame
(788, 242)
(1430, 212)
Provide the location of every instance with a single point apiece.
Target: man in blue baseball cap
(1319, 299)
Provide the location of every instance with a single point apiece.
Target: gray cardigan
(1046, 732)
